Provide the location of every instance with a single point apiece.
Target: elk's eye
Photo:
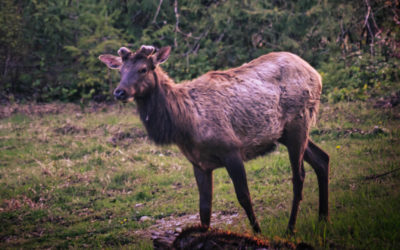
(141, 71)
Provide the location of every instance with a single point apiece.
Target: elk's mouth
(129, 99)
(122, 95)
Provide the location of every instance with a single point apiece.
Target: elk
(224, 118)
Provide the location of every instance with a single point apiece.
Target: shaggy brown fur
(201, 238)
(226, 117)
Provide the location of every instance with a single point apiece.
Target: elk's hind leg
(319, 161)
(295, 139)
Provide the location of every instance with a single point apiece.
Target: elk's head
(137, 70)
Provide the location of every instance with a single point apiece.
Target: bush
(359, 77)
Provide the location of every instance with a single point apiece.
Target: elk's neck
(165, 112)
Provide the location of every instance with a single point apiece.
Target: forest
(49, 48)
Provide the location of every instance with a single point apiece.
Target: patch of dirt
(20, 202)
(37, 109)
(163, 152)
(127, 137)
(173, 225)
(69, 129)
(54, 108)
(75, 178)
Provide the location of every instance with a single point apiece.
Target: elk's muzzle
(120, 94)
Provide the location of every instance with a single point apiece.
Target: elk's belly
(254, 151)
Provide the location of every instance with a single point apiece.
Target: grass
(74, 180)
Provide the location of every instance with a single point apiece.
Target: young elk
(224, 118)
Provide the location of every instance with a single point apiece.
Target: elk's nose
(120, 94)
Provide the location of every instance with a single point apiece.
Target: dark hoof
(202, 227)
(324, 217)
(256, 228)
(290, 231)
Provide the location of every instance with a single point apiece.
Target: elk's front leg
(204, 184)
(235, 168)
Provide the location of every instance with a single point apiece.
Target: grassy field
(92, 179)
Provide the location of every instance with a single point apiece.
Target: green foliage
(49, 48)
(11, 49)
(359, 78)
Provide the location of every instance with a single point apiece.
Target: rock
(192, 217)
(379, 130)
(144, 218)
(170, 232)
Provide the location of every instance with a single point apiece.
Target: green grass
(84, 180)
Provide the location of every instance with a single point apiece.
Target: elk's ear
(161, 55)
(113, 62)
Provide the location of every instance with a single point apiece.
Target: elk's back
(249, 106)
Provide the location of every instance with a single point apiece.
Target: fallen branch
(376, 176)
